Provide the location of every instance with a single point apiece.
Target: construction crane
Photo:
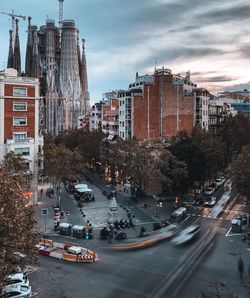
(13, 17)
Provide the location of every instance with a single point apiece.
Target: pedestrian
(241, 268)
(41, 191)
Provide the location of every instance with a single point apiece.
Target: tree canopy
(17, 223)
(240, 172)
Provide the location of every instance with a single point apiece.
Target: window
(19, 121)
(20, 106)
(19, 135)
(20, 91)
(22, 151)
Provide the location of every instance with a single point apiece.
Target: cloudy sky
(210, 38)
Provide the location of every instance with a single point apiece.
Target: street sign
(68, 212)
(45, 211)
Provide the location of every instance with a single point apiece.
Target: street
(162, 270)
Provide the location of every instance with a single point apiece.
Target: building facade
(110, 118)
(95, 117)
(19, 121)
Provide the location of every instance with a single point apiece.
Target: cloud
(221, 78)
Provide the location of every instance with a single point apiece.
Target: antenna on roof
(155, 63)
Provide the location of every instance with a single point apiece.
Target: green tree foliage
(213, 149)
(143, 162)
(174, 171)
(17, 225)
(62, 164)
(87, 142)
(240, 172)
(235, 134)
(188, 151)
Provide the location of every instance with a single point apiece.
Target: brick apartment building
(110, 116)
(19, 120)
(160, 105)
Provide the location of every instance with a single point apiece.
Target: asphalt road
(208, 264)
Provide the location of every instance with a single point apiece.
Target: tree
(240, 172)
(62, 164)
(87, 142)
(213, 149)
(18, 234)
(235, 134)
(174, 171)
(16, 166)
(188, 151)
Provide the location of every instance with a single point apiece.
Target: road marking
(33, 294)
(194, 267)
(228, 231)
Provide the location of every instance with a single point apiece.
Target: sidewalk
(45, 223)
(151, 213)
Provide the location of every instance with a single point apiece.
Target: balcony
(20, 141)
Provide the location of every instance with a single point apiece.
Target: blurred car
(210, 202)
(220, 181)
(209, 191)
(20, 291)
(186, 235)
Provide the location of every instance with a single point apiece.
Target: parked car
(220, 181)
(17, 291)
(242, 218)
(18, 278)
(179, 213)
(209, 191)
(186, 235)
(210, 202)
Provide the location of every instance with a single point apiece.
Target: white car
(210, 202)
(209, 191)
(17, 291)
(179, 212)
(220, 181)
(186, 235)
(18, 279)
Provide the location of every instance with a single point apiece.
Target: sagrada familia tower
(53, 55)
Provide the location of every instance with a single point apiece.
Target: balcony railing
(20, 141)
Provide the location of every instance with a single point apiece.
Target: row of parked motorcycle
(116, 230)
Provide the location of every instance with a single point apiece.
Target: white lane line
(228, 231)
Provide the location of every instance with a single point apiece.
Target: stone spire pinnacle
(17, 56)
(84, 80)
(28, 50)
(84, 75)
(35, 72)
(10, 56)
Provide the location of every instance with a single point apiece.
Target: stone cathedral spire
(84, 78)
(17, 55)
(35, 71)
(10, 56)
(28, 50)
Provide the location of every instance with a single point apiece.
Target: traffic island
(66, 251)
